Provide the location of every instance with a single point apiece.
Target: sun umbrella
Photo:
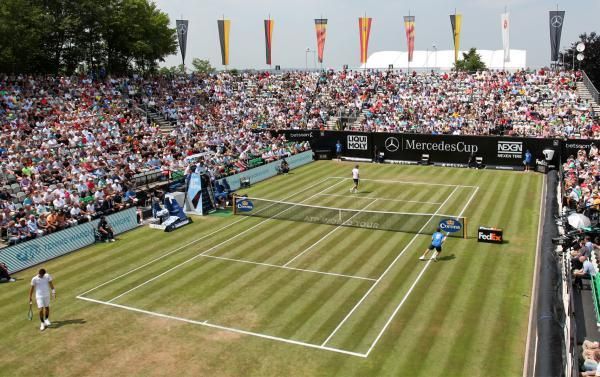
(578, 221)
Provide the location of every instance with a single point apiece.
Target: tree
(202, 66)
(59, 36)
(471, 62)
(591, 62)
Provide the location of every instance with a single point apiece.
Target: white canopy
(444, 59)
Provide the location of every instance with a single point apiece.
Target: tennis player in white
(355, 177)
(42, 284)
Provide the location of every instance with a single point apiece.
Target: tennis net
(422, 223)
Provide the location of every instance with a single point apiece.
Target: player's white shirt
(42, 285)
(355, 173)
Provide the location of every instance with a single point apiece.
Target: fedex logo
(489, 237)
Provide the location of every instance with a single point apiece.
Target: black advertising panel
(572, 146)
(451, 149)
(500, 151)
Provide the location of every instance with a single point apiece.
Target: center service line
(327, 235)
(216, 246)
(414, 284)
(386, 271)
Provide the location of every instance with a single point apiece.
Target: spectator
(4, 274)
(588, 271)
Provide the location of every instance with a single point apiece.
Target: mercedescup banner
(557, 18)
(500, 151)
(182, 30)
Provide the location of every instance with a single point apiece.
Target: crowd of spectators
(70, 146)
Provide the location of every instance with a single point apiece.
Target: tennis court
(287, 280)
(250, 295)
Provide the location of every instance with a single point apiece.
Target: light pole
(434, 56)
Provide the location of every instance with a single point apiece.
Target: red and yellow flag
(409, 26)
(364, 28)
(321, 28)
(269, 38)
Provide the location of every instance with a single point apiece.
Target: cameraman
(4, 274)
(105, 230)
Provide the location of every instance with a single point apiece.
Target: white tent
(444, 59)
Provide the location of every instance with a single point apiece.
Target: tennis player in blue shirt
(437, 240)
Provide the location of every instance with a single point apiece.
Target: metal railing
(591, 88)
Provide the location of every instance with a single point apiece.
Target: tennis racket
(30, 312)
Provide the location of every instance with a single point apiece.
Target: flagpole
(504, 55)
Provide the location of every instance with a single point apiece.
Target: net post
(234, 203)
(465, 235)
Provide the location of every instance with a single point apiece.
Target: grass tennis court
(260, 296)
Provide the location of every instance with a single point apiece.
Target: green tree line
(66, 36)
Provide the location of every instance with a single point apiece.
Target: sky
(294, 30)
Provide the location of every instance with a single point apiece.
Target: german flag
(364, 28)
(269, 38)
(224, 39)
(321, 28)
(456, 21)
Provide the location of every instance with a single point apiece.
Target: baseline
(225, 328)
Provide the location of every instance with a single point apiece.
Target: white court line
(327, 235)
(407, 182)
(385, 272)
(413, 284)
(215, 247)
(230, 329)
(194, 241)
(388, 200)
(288, 268)
(533, 300)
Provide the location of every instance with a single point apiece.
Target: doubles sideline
(364, 297)
(414, 284)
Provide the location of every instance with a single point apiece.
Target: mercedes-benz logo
(556, 21)
(392, 144)
(182, 28)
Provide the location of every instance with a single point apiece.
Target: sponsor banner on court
(39, 250)
(244, 205)
(269, 170)
(450, 225)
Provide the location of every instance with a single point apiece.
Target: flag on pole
(455, 21)
(557, 18)
(409, 26)
(224, 26)
(182, 30)
(364, 26)
(505, 35)
(269, 38)
(321, 28)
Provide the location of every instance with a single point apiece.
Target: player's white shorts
(43, 302)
